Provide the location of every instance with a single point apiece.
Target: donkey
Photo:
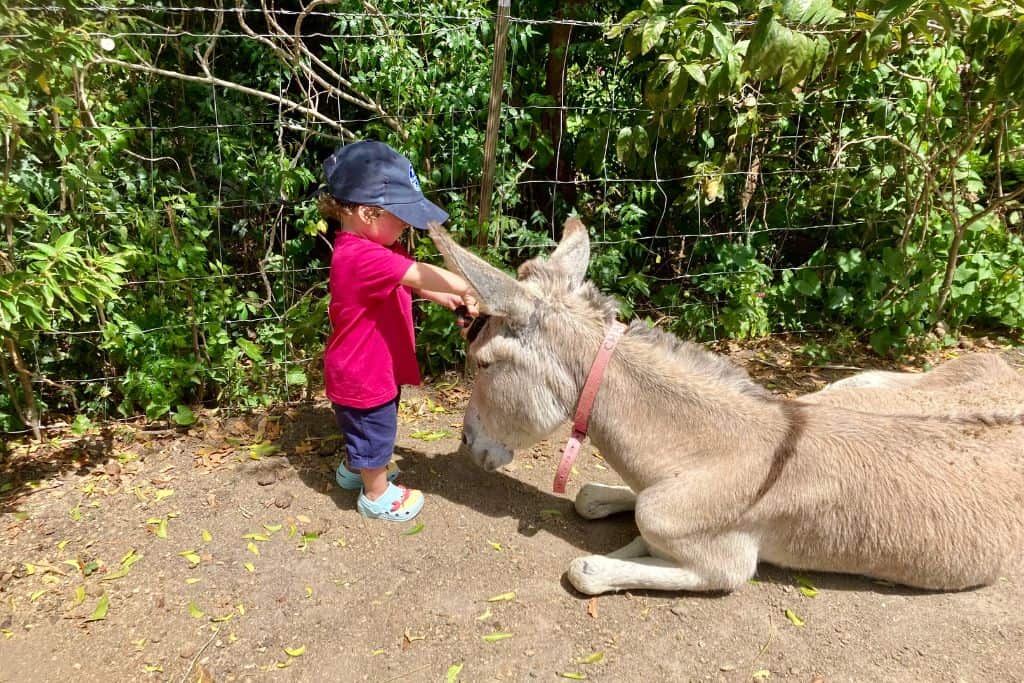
(913, 479)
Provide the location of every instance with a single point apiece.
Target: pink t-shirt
(372, 348)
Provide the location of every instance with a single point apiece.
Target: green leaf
(296, 377)
(592, 658)
(652, 31)
(413, 531)
(194, 611)
(495, 637)
(257, 451)
(815, 12)
(250, 349)
(696, 73)
(573, 675)
(101, 609)
(184, 416)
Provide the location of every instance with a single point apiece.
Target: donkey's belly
(915, 563)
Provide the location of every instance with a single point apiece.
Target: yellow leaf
(256, 537)
(377, 652)
(253, 548)
(486, 615)
(296, 651)
(225, 617)
(115, 575)
(573, 675)
(130, 558)
(63, 543)
(163, 493)
(192, 579)
(79, 595)
(761, 674)
(495, 545)
(309, 591)
(152, 668)
(194, 611)
(272, 528)
(453, 673)
(592, 658)
(241, 609)
(504, 597)
(207, 536)
(190, 555)
(791, 615)
(495, 637)
(806, 587)
(35, 596)
(249, 567)
(303, 518)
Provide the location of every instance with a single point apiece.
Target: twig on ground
(198, 655)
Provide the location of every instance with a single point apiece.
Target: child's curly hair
(335, 209)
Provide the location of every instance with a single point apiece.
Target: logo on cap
(413, 180)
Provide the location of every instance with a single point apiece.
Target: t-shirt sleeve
(379, 270)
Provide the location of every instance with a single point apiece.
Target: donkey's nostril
(464, 439)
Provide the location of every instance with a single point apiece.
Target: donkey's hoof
(586, 576)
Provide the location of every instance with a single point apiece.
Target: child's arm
(440, 286)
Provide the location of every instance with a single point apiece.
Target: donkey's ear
(573, 253)
(498, 294)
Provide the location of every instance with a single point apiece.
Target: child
(373, 192)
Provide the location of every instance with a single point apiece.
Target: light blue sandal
(398, 504)
(353, 481)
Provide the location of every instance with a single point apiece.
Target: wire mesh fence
(205, 154)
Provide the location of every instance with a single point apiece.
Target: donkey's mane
(693, 356)
(699, 359)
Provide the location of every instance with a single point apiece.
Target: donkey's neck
(659, 411)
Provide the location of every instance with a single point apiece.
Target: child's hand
(448, 300)
(472, 307)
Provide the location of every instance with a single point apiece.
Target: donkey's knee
(595, 501)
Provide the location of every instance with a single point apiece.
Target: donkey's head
(528, 352)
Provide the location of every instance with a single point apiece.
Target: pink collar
(586, 402)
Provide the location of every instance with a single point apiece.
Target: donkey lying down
(912, 478)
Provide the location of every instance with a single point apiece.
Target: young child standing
(373, 192)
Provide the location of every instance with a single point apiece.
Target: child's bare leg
(375, 481)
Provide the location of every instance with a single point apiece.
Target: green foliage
(744, 167)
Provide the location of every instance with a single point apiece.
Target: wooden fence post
(493, 117)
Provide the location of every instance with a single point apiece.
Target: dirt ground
(227, 553)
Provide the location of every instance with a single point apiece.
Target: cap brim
(418, 214)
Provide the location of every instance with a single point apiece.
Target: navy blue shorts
(369, 433)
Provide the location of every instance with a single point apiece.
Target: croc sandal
(353, 481)
(398, 504)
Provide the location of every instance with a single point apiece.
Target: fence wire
(288, 274)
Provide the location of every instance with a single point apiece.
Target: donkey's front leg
(600, 500)
(691, 545)
(722, 563)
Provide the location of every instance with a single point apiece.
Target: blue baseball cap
(371, 173)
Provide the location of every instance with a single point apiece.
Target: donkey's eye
(482, 366)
